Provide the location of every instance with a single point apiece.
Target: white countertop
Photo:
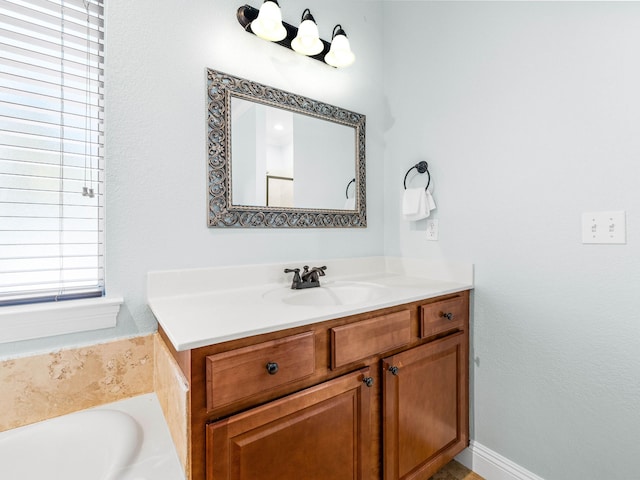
(204, 306)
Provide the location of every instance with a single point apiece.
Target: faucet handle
(296, 273)
(320, 270)
(296, 276)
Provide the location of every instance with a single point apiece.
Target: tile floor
(455, 471)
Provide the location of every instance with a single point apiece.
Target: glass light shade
(340, 54)
(268, 25)
(307, 42)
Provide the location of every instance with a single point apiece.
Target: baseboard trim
(491, 465)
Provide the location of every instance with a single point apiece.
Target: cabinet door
(425, 407)
(320, 433)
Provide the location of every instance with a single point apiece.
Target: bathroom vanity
(377, 391)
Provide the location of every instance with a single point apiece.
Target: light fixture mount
(306, 15)
(247, 14)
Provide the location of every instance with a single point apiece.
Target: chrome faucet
(309, 278)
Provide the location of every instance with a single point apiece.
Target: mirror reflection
(281, 158)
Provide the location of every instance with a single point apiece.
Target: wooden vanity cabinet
(381, 395)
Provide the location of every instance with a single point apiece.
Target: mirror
(309, 158)
(277, 159)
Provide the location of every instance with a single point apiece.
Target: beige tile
(45, 386)
(173, 394)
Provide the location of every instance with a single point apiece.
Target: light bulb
(340, 54)
(268, 25)
(307, 41)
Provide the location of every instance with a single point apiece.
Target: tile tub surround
(183, 300)
(43, 386)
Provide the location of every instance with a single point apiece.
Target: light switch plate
(432, 230)
(604, 227)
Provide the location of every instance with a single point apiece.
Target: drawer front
(353, 342)
(442, 316)
(241, 373)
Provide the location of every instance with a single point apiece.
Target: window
(51, 150)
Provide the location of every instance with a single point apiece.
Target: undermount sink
(335, 293)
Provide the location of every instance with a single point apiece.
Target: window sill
(26, 322)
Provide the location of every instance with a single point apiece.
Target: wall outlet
(432, 230)
(604, 227)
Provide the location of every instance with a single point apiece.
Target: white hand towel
(431, 204)
(414, 204)
(412, 201)
(417, 204)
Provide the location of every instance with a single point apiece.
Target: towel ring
(422, 167)
(346, 192)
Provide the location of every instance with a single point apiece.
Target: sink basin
(330, 294)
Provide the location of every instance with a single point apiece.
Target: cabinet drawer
(359, 340)
(442, 316)
(241, 373)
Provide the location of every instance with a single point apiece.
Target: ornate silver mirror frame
(221, 212)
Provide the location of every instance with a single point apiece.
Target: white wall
(156, 56)
(528, 114)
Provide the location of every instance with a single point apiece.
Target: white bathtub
(126, 440)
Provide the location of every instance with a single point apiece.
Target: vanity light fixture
(304, 39)
(268, 25)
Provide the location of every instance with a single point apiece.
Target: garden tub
(125, 440)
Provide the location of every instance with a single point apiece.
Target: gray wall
(528, 113)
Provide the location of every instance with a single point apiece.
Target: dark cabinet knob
(368, 381)
(272, 368)
(448, 316)
(394, 370)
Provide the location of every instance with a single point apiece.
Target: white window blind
(51, 150)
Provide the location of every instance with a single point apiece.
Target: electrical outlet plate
(604, 227)
(432, 230)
